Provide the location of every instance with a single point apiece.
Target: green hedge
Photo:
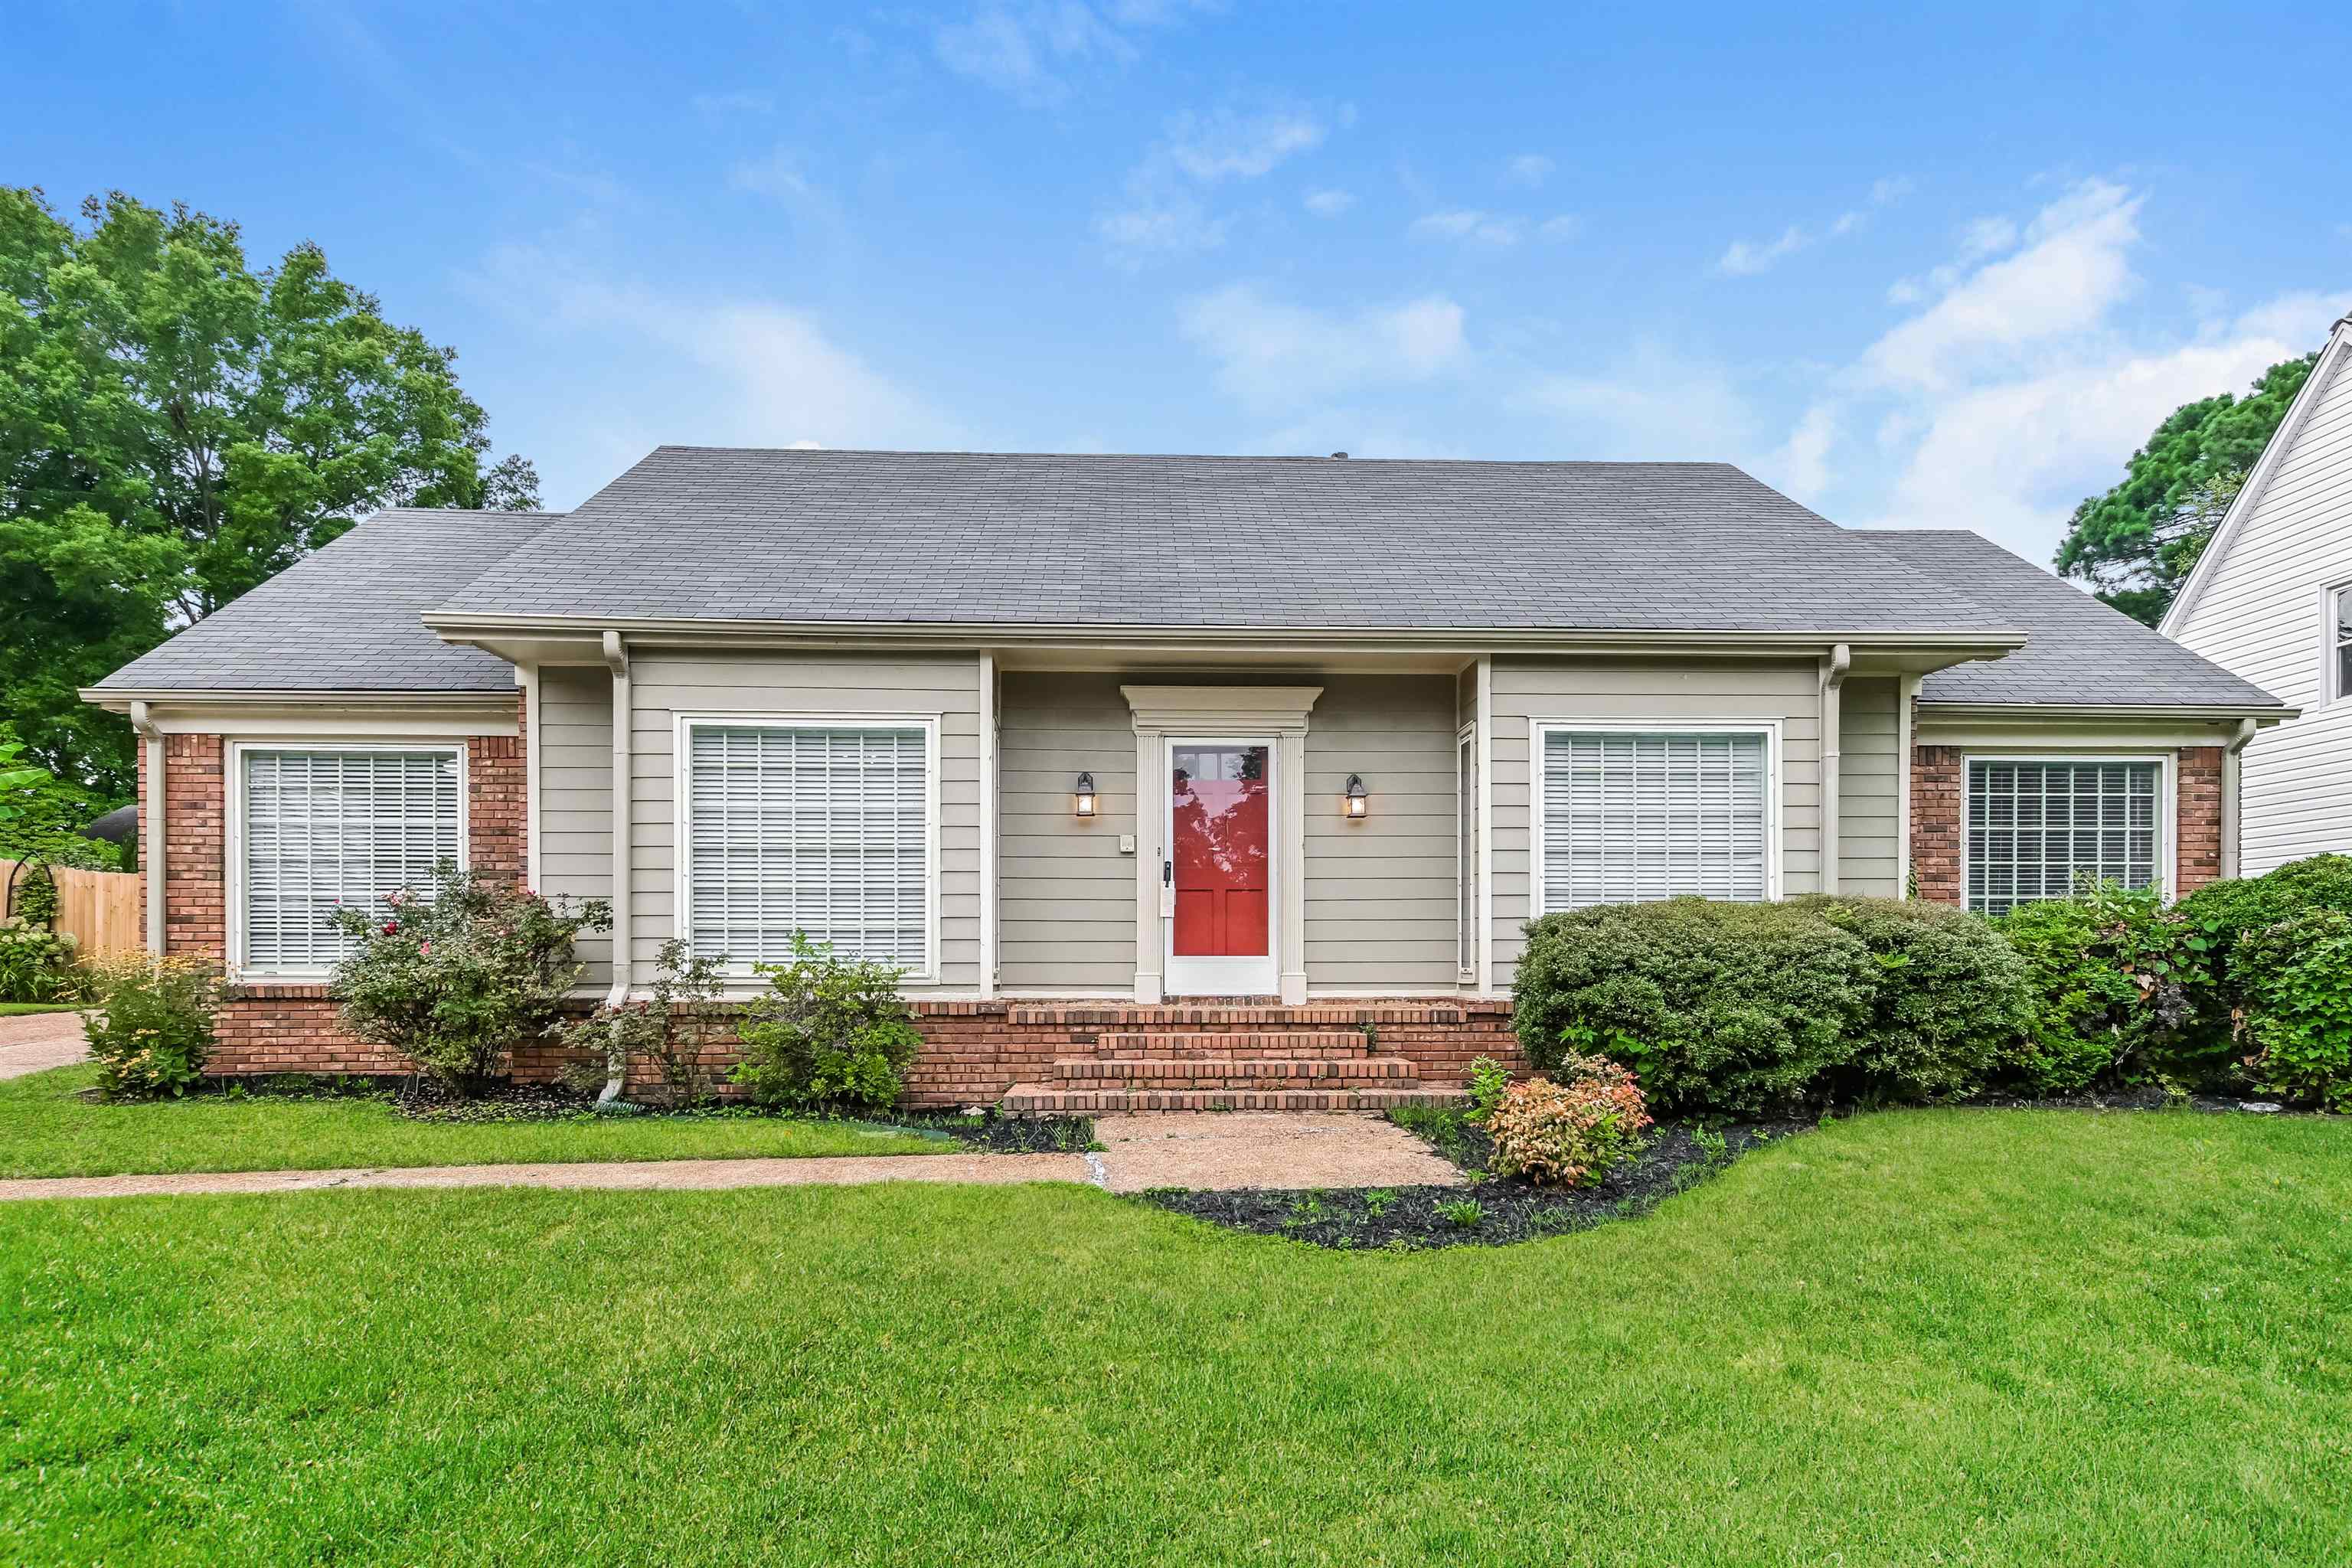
(1950, 1000)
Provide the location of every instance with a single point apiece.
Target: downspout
(151, 831)
(1833, 670)
(2232, 765)
(616, 659)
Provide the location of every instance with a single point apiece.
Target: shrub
(2114, 977)
(1716, 1006)
(151, 1030)
(35, 899)
(2296, 979)
(36, 965)
(1489, 1079)
(1950, 999)
(1573, 1133)
(2225, 912)
(451, 978)
(662, 1029)
(828, 1031)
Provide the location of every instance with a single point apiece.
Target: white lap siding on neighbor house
(574, 728)
(1650, 692)
(665, 684)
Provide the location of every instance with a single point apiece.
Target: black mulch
(1494, 1211)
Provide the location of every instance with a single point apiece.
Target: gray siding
(575, 794)
(1066, 895)
(1870, 849)
(668, 683)
(1380, 893)
(1662, 689)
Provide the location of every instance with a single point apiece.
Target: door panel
(1220, 843)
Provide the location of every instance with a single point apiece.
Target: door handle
(1168, 873)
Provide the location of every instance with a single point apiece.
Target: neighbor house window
(2040, 829)
(323, 829)
(1628, 817)
(2339, 640)
(822, 828)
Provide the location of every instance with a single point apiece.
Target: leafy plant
(1573, 1133)
(36, 965)
(1377, 1201)
(152, 1031)
(36, 903)
(1488, 1079)
(1736, 1007)
(2114, 977)
(1948, 1000)
(1468, 1213)
(829, 1031)
(2296, 978)
(453, 977)
(664, 1027)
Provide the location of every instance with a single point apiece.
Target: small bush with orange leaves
(1572, 1133)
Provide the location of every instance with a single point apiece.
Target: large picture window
(824, 828)
(323, 827)
(1626, 817)
(2037, 829)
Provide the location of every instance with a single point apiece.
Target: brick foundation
(973, 1051)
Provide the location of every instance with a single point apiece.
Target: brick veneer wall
(1936, 789)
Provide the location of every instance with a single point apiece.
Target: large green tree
(176, 427)
(2137, 543)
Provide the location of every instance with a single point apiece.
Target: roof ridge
(1302, 457)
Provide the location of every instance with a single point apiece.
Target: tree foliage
(176, 427)
(2137, 543)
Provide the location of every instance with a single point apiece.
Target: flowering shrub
(36, 965)
(829, 1031)
(1573, 1133)
(453, 976)
(659, 1027)
(152, 1028)
(2295, 978)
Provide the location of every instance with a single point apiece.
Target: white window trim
(233, 784)
(2331, 685)
(682, 854)
(1466, 805)
(2168, 807)
(1539, 757)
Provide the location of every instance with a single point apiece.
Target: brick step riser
(1297, 1046)
(1442, 1015)
(1031, 1099)
(1229, 1073)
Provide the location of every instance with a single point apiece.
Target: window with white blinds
(1629, 817)
(819, 828)
(2037, 829)
(327, 829)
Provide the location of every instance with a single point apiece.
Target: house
(2271, 599)
(1166, 780)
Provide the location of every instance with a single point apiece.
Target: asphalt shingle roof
(2077, 651)
(346, 619)
(901, 538)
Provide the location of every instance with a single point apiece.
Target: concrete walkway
(1199, 1150)
(33, 1041)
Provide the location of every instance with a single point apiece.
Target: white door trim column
(151, 837)
(989, 708)
(1279, 711)
(616, 659)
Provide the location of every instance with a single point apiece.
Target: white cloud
(1469, 225)
(1275, 357)
(1980, 238)
(1528, 169)
(1802, 465)
(778, 175)
(1565, 226)
(1745, 257)
(1328, 202)
(1654, 401)
(1161, 224)
(1893, 188)
(1223, 144)
(1029, 50)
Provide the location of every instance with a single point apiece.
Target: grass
(1925, 1337)
(25, 1009)
(47, 1130)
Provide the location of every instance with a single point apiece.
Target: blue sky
(1919, 271)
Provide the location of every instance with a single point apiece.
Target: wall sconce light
(1083, 799)
(1355, 805)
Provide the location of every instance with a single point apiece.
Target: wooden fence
(104, 911)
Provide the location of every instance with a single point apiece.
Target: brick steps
(1304, 1044)
(1054, 1099)
(1231, 1072)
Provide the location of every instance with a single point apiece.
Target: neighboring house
(2271, 599)
(1138, 764)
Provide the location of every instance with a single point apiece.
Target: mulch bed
(1506, 1209)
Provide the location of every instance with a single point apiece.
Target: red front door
(1219, 845)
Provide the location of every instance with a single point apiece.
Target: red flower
(392, 927)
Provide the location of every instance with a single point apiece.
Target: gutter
(616, 659)
(1833, 671)
(2262, 713)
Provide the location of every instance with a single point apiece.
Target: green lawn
(1917, 1338)
(20, 1009)
(46, 1130)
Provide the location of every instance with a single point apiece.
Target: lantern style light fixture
(1355, 805)
(1082, 801)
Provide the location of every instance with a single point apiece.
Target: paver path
(35, 1041)
(1202, 1150)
